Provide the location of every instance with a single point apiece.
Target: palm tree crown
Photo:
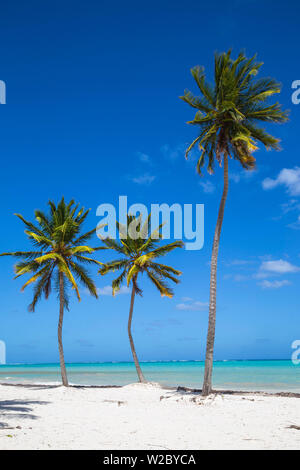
(139, 253)
(59, 249)
(228, 112)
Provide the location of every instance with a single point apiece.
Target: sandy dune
(144, 417)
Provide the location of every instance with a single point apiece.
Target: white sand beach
(144, 417)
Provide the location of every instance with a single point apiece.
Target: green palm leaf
(138, 257)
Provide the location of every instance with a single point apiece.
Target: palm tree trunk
(135, 358)
(59, 331)
(207, 383)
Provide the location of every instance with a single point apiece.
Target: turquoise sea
(271, 376)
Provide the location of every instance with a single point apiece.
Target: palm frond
(39, 239)
(113, 266)
(30, 225)
(23, 254)
(116, 283)
(166, 268)
(36, 276)
(63, 267)
(114, 245)
(160, 284)
(87, 260)
(165, 249)
(84, 278)
(39, 288)
(85, 237)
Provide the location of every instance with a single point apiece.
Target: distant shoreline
(175, 389)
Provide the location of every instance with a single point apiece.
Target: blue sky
(93, 113)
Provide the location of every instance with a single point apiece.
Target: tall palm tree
(60, 253)
(139, 252)
(228, 114)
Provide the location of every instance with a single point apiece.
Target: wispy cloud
(239, 262)
(143, 157)
(290, 206)
(192, 305)
(157, 325)
(145, 179)
(242, 175)
(288, 177)
(295, 225)
(279, 266)
(240, 277)
(207, 186)
(234, 177)
(188, 339)
(274, 284)
(293, 205)
(107, 290)
(237, 277)
(172, 153)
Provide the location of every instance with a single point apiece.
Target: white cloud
(279, 266)
(237, 277)
(146, 179)
(207, 186)
(292, 205)
(288, 177)
(107, 290)
(240, 278)
(195, 306)
(242, 175)
(295, 225)
(234, 177)
(172, 153)
(274, 284)
(143, 157)
(239, 262)
(227, 276)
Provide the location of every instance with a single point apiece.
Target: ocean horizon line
(142, 362)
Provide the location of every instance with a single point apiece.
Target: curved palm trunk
(136, 361)
(207, 383)
(59, 331)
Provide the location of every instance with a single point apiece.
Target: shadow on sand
(10, 409)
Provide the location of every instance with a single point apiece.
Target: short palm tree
(228, 113)
(138, 257)
(60, 253)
